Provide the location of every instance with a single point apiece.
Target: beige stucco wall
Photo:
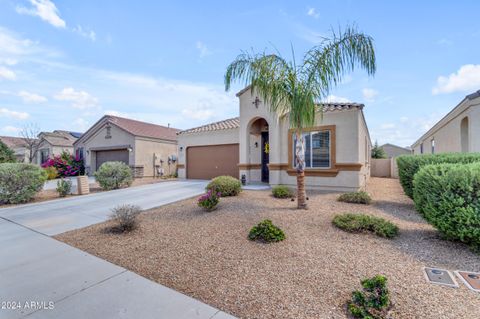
(145, 149)
(53, 150)
(186, 140)
(447, 133)
(119, 137)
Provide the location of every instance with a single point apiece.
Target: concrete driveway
(61, 215)
(41, 277)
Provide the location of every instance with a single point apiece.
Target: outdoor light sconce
(181, 148)
(244, 179)
(256, 144)
(88, 152)
(130, 149)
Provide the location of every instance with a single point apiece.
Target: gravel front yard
(309, 275)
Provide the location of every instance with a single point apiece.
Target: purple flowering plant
(209, 200)
(66, 165)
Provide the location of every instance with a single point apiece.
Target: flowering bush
(66, 165)
(209, 200)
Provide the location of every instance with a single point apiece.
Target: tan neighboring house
(17, 144)
(149, 149)
(258, 146)
(458, 131)
(392, 150)
(54, 143)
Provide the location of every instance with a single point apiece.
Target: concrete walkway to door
(41, 277)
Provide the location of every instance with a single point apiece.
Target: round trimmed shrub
(225, 185)
(282, 191)
(20, 182)
(113, 175)
(448, 197)
(266, 232)
(409, 165)
(360, 197)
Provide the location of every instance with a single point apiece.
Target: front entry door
(265, 157)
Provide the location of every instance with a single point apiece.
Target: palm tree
(295, 90)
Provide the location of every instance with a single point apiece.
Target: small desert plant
(267, 232)
(359, 223)
(373, 302)
(282, 191)
(226, 185)
(64, 187)
(113, 175)
(51, 171)
(20, 182)
(125, 217)
(360, 197)
(209, 200)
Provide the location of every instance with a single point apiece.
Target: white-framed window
(317, 149)
(433, 145)
(44, 155)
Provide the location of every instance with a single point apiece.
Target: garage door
(206, 162)
(111, 155)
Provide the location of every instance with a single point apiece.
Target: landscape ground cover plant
(64, 187)
(209, 200)
(359, 197)
(362, 223)
(373, 301)
(282, 191)
(266, 232)
(124, 218)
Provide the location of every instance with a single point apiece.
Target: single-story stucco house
(458, 131)
(54, 143)
(259, 146)
(149, 149)
(18, 145)
(392, 150)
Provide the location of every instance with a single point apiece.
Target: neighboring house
(17, 144)
(392, 150)
(149, 149)
(458, 131)
(54, 143)
(258, 146)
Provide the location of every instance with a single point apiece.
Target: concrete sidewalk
(44, 278)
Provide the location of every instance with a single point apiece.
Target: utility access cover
(470, 279)
(440, 277)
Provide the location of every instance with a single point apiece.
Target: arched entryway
(464, 135)
(259, 150)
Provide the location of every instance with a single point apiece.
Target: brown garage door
(206, 162)
(110, 156)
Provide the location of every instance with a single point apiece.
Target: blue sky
(63, 64)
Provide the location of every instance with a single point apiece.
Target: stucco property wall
(449, 133)
(186, 140)
(146, 148)
(53, 150)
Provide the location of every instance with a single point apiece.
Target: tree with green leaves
(295, 90)
(378, 152)
(7, 155)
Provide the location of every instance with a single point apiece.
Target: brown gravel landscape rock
(309, 275)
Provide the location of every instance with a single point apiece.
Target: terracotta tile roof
(58, 138)
(227, 124)
(337, 106)
(144, 129)
(12, 141)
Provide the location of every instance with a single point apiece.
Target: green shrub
(226, 185)
(282, 191)
(360, 223)
(448, 196)
(265, 231)
(64, 187)
(125, 217)
(209, 200)
(7, 155)
(360, 197)
(113, 175)
(19, 182)
(409, 165)
(373, 302)
(52, 172)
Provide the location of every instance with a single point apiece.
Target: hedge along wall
(448, 196)
(409, 165)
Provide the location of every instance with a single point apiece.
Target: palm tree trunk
(300, 157)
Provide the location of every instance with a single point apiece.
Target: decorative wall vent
(109, 131)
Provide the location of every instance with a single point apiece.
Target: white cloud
(8, 61)
(387, 125)
(339, 99)
(203, 49)
(86, 33)
(45, 10)
(79, 99)
(80, 124)
(11, 129)
(312, 12)
(198, 114)
(7, 73)
(369, 94)
(467, 78)
(29, 97)
(13, 114)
